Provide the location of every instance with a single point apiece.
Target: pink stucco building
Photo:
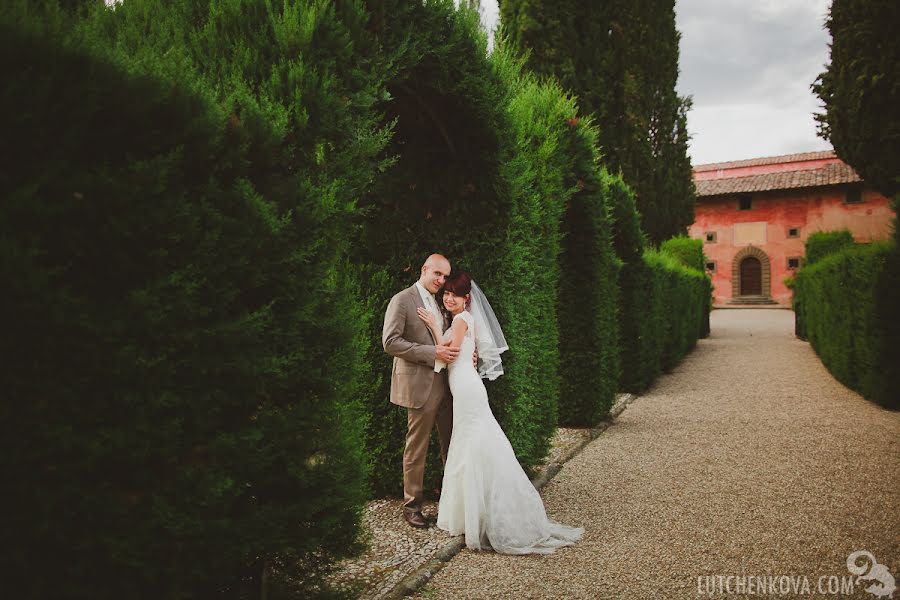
(755, 215)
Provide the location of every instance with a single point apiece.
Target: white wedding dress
(486, 494)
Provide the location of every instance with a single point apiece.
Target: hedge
(638, 352)
(589, 292)
(559, 242)
(823, 243)
(684, 305)
(208, 207)
(849, 301)
(641, 323)
(819, 245)
(665, 303)
(628, 239)
(487, 162)
(445, 192)
(177, 202)
(887, 301)
(689, 252)
(526, 397)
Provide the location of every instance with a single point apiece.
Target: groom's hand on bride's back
(448, 354)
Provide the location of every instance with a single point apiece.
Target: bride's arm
(458, 332)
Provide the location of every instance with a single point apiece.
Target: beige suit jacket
(406, 338)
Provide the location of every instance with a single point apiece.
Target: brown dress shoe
(416, 519)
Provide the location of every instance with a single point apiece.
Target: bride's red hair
(460, 284)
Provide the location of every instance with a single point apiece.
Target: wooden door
(751, 277)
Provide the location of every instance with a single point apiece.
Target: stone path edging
(420, 576)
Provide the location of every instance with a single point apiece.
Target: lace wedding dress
(486, 494)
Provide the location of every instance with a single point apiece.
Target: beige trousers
(420, 421)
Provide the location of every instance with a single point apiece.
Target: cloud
(748, 67)
(736, 131)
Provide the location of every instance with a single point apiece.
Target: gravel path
(396, 551)
(748, 460)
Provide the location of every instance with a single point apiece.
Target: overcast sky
(748, 67)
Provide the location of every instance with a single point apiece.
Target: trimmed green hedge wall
(684, 305)
(823, 243)
(689, 252)
(182, 358)
(819, 245)
(849, 301)
(665, 309)
(639, 317)
(641, 323)
(525, 398)
(588, 293)
(445, 193)
(628, 239)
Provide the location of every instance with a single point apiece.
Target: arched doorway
(751, 277)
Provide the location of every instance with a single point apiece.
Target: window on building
(711, 237)
(853, 195)
(794, 262)
(793, 232)
(745, 202)
(711, 266)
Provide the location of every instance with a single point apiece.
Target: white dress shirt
(430, 304)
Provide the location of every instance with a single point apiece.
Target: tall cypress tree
(860, 89)
(621, 59)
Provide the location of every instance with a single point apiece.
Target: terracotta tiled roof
(830, 174)
(766, 160)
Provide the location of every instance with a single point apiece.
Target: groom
(419, 378)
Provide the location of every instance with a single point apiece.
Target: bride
(485, 493)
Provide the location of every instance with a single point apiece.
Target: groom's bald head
(434, 272)
(437, 261)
